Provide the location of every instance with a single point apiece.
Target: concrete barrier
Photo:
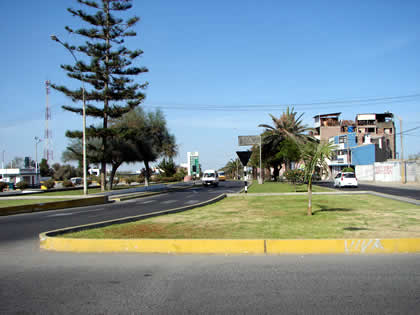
(55, 205)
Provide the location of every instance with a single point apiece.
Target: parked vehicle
(76, 180)
(210, 177)
(345, 179)
(222, 176)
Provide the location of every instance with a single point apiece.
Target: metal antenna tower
(48, 152)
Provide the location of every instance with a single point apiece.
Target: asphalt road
(402, 192)
(28, 226)
(33, 281)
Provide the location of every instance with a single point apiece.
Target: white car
(210, 177)
(345, 179)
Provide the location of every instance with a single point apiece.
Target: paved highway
(28, 226)
(403, 191)
(33, 281)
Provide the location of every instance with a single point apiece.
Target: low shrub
(348, 169)
(67, 183)
(49, 183)
(296, 177)
(132, 179)
(22, 185)
(3, 185)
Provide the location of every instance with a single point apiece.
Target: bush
(49, 183)
(3, 185)
(67, 183)
(179, 176)
(22, 185)
(131, 179)
(295, 176)
(348, 169)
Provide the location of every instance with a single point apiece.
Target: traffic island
(346, 224)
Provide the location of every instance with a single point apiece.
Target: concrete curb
(55, 205)
(361, 192)
(232, 246)
(398, 198)
(301, 193)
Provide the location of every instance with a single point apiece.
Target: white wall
(365, 172)
(388, 172)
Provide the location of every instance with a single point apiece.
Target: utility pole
(402, 152)
(37, 140)
(260, 181)
(85, 186)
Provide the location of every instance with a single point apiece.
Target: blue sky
(209, 61)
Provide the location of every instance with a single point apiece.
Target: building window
(342, 139)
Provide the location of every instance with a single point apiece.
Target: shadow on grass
(353, 228)
(327, 209)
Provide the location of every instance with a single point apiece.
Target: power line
(390, 100)
(405, 131)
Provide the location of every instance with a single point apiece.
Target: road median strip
(54, 241)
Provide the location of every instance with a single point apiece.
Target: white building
(15, 175)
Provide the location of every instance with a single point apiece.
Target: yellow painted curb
(210, 246)
(350, 246)
(176, 246)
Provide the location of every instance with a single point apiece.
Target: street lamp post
(37, 140)
(402, 152)
(261, 177)
(85, 192)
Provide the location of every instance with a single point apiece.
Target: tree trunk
(113, 171)
(146, 176)
(310, 197)
(103, 175)
(276, 172)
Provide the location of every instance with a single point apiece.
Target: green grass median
(271, 187)
(277, 217)
(22, 202)
(78, 192)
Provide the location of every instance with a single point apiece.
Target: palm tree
(232, 168)
(288, 126)
(314, 155)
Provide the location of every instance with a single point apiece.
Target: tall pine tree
(106, 67)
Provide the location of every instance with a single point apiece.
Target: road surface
(407, 192)
(33, 281)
